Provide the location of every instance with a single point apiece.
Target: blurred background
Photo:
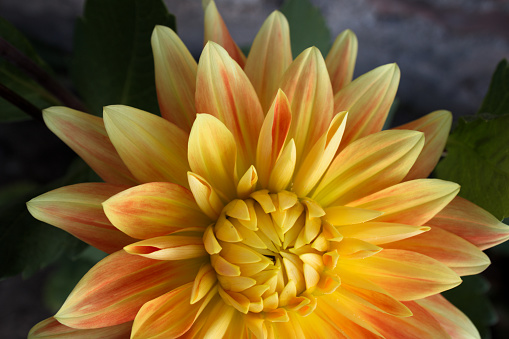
(447, 51)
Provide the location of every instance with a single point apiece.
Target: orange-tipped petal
(153, 148)
(216, 31)
(175, 70)
(213, 154)
(269, 57)
(152, 321)
(411, 202)
(101, 298)
(341, 60)
(172, 247)
(320, 156)
(307, 85)
(154, 209)
(405, 275)
(367, 100)
(370, 164)
(77, 209)
(273, 136)
(85, 134)
(472, 223)
(455, 252)
(51, 329)
(224, 90)
(450, 318)
(381, 232)
(436, 127)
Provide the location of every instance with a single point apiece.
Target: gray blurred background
(446, 49)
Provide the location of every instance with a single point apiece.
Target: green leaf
(478, 159)
(470, 297)
(496, 100)
(113, 61)
(26, 244)
(17, 81)
(307, 26)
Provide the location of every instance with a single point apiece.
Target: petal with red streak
(86, 135)
(51, 329)
(172, 247)
(77, 209)
(154, 209)
(153, 148)
(113, 291)
(436, 127)
(341, 60)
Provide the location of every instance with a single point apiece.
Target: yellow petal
(411, 202)
(213, 154)
(154, 209)
(269, 57)
(205, 195)
(381, 232)
(282, 172)
(85, 134)
(173, 247)
(204, 281)
(216, 31)
(436, 127)
(369, 165)
(224, 91)
(153, 148)
(351, 248)
(344, 215)
(218, 320)
(367, 100)
(247, 183)
(307, 85)
(341, 60)
(320, 156)
(175, 70)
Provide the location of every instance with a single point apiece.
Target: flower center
(271, 254)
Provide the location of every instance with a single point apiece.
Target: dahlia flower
(265, 202)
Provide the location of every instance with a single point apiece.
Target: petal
(153, 148)
(173, 247)
(51, 329)
(412, 202)
(85, 134)
(175, 70)
(341, 60)
(269, 57)
(216, 31)
(450, 318)
(113, 291)
(369, 165)
(319, 158)
(307, 85)
(344, 215)
(367, 100)
(154, 209)
(152, 319)
(224, 90)
(458, 254)
(204, 281)
(273, 136)
(381, 232)
(405, 275)
(436, 127)
(77, 209)
(215, 320)
(472, 223)
(205, 195)
(282, 172)
(213, 154)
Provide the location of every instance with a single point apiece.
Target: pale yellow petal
(341, 60)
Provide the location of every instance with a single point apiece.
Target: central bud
(271, 254)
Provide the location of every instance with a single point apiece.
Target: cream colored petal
(269, 57)
(213, 154)
(85, 134)
(320, 156)
(272, 137)
(369, 165)
(341, 60)
(411, 202)
(153, 148)
(307, 85)
(216, 31)
(436, 127)
(224, 91)
(175, 70)
(367, 100)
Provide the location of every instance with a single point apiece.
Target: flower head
(266, 201)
